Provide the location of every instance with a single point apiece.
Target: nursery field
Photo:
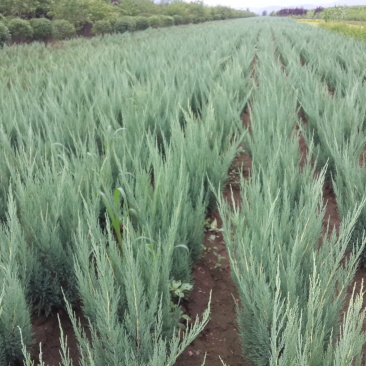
(184, 196)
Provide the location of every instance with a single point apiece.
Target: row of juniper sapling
(292, 289)
(334, 121)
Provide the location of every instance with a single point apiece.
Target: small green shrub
(188, 19)
(155, 21)
(20, 30)
(178, 19)
(167, 21)
(142, 23)
(62, 29)
(123, 25)
(101, 27)
(198, 19)
(132, 21)
(42, 29)
(4, 35)
(216, 17)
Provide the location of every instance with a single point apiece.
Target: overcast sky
(267, 3)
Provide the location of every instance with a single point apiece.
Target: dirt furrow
(220, 339)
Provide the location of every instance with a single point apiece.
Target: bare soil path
(46, 331)
(220, 339)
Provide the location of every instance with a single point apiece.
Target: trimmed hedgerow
(102, 27)
(155, 21)
(62, 29)
(141, 23)
(122, 25)
(178, 19)
(20, 30)
(167, 21)
(42, 29)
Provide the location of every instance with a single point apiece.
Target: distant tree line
(80, 12)
(291, 11)
(45, 20)
(297, 12)
(319, 9)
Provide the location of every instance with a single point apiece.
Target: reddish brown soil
(303, 148)
(221, 336)
(331, 210)
(47, 332)
(362, 160)
(245, 117)
(220, 341)
(253, 66)
(330, 91)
